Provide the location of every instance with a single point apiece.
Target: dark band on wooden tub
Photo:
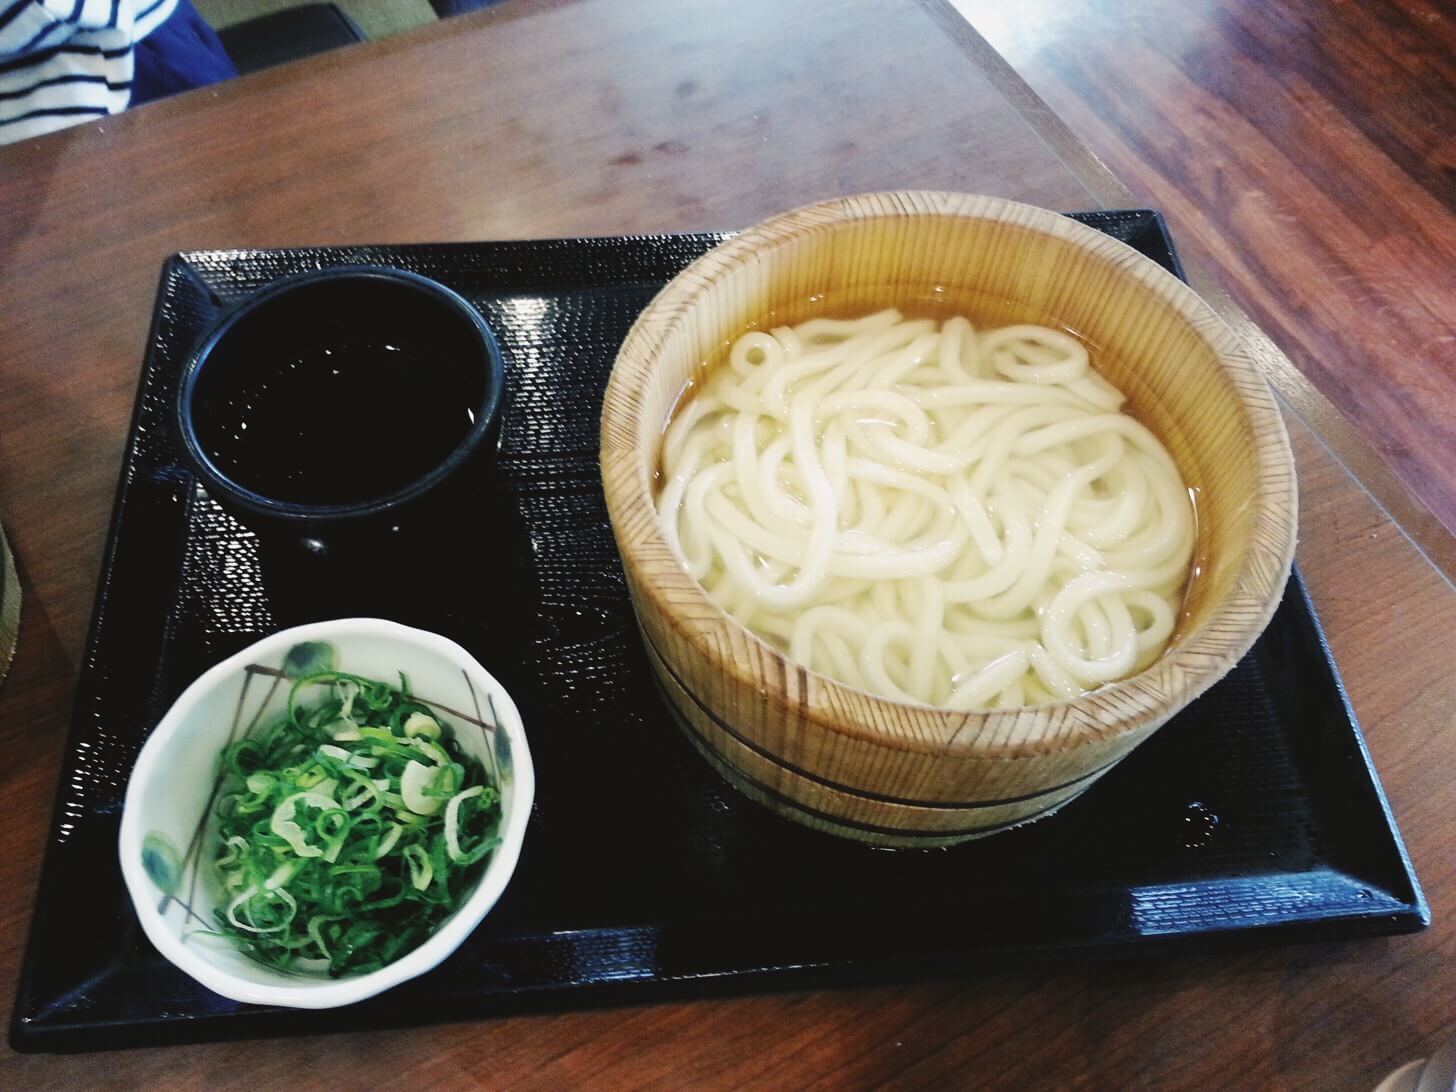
(750, 785)
(848, 790)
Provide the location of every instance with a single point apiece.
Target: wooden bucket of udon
(835, 757)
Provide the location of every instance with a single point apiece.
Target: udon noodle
(932, 513)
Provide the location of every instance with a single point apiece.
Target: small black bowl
(343, 409)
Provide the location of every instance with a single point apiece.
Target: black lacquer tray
(1254, 815)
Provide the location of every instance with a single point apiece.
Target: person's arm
(28, 26)
(63, 61)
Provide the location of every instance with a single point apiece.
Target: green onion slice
(349, 828)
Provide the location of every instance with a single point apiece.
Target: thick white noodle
(952, 516)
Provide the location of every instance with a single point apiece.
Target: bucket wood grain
(890, 773)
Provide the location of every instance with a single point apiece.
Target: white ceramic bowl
(165, 821)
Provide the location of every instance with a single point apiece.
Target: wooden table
(554, 119)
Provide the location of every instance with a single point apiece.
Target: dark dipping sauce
(339, 392)
(342, 424)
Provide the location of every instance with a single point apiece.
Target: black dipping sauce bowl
(345, 411)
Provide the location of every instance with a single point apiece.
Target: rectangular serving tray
(1253, 816)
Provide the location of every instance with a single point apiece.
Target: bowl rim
(443, 942)
(217, 480)
(1113, 712)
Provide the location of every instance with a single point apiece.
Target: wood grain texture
(1304, 153)
(829, 755)
(540, 119)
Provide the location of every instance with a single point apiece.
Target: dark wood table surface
(540, 119)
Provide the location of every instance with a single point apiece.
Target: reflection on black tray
(644, 876)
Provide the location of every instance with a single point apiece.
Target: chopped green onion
(349, 829)
(415, 786)
(422, 724)
(421, 871)
(387, 842)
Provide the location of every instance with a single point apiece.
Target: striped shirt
(67, 61)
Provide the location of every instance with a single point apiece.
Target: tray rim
(1407, 915)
